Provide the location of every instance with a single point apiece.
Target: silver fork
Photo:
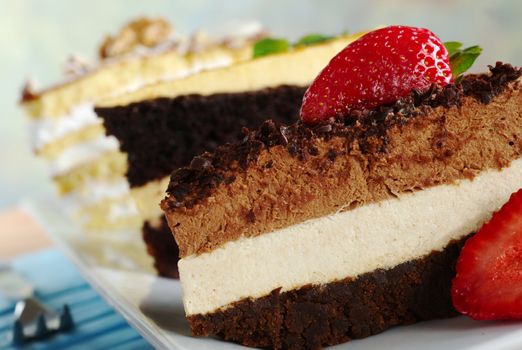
(32, 319)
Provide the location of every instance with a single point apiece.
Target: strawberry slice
(488, 285)
(378, 68)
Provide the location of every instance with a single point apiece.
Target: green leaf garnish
(312, 39)
(461, 60)
(452, 46)
(269, 46)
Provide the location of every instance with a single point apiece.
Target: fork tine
(66, 320)
(41, 327)
(18, 333)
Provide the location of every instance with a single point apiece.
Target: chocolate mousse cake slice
(163, 126)
(310, 235)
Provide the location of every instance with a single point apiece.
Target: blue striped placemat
(57, 282)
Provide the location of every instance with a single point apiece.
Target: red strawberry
(488, 285)
(378, 68)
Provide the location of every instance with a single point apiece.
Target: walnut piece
(141, 32)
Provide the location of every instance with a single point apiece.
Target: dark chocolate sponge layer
(163, 134)
(162, 247)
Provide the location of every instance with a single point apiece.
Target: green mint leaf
(452, 46)
(312, 39)
(462, 60)
(476, 50)
(270, 46)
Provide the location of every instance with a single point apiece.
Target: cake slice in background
(345, 225)
(162, 127)
(85, 164)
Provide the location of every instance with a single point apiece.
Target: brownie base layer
(315, 316)
(162, 247)
(163, 134)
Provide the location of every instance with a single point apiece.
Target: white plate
(117, 268)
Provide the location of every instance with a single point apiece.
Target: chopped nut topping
(141, 32)
(75, 66)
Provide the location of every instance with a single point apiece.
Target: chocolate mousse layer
(315, 316)
(166, 133)
(282, 175)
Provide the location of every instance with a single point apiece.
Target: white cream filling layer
(123, 209)
(82, 153)
(46, 130)
(97, 191)
(345, 244)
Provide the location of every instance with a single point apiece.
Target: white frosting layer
(47, 130)
(123, 210)
(344, 244)
(97, 191)
(82, 153)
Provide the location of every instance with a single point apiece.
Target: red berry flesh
(488, 285)
(378, 68)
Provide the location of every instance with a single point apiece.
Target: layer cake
(85, 163)
(309, 235)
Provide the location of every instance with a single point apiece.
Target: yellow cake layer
(115, 78)
(52, 150)
(105, 215)
(111, 166)
(296, 67)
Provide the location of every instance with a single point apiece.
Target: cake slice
(163, 126)
(85, 163)
(316, 233)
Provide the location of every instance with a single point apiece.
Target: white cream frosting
(345, 244)
(85, 205)
(82, 153)
(123, 209)
(46, 130)
(95, 191)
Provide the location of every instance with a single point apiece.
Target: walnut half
(141, 32)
